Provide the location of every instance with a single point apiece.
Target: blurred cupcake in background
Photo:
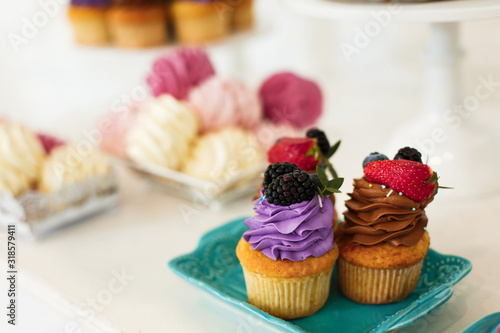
(222, 102)
(177, 72)
(138, 25)
(137, 3)
(288, 98)
(199, 21)
(243, 15)
(88, 18)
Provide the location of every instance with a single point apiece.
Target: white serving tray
(36, 214)
(214, 194)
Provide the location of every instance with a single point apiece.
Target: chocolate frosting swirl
(373, 218)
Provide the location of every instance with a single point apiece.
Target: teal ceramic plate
(488, 324)
(213, 266)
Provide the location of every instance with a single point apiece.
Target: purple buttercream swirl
(94, 3)
(291, 232)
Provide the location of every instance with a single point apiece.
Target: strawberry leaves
(331, 152)
(314, 151)
(434, 179)
(333, 149)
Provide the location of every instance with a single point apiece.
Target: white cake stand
(456, 146)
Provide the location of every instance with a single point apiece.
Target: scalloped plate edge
(485, 324)
(443, 292)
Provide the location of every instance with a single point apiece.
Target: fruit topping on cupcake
(286, 184)
(410, 154)
(300, 151)
(277, 169)
(375, 156)
(415, 180)
(405, 174)
(290, 188)
(321, 139)
(307, 152)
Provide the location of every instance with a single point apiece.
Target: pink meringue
(287, 97)
(177, 72)
(114, 127)
(225, 102)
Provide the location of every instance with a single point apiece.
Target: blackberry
(320, 136)
(290, 188)
(410, 154)
(375, 156)
(277, 169)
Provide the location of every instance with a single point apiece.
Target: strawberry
(301, 151)
(415, 180)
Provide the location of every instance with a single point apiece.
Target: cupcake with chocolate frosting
(288, 253)
(384, 237)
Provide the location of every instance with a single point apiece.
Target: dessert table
(109, 273)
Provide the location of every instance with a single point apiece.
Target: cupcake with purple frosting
(88, 18)
(288, 253)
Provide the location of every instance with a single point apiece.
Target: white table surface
(77, 263)
(56, 91)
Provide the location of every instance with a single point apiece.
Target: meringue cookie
(176, 73)
(69, 165)
(225, 102)
(21, 155)
(287, 97)
(223, 154)
(164, 131)
(114, 136)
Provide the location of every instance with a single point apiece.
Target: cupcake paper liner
(153, 33)
(288, 298)
(198, 29)
(243, 15)
(376, 286)
(90, 29)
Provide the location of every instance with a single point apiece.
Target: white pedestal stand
(456, 147)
